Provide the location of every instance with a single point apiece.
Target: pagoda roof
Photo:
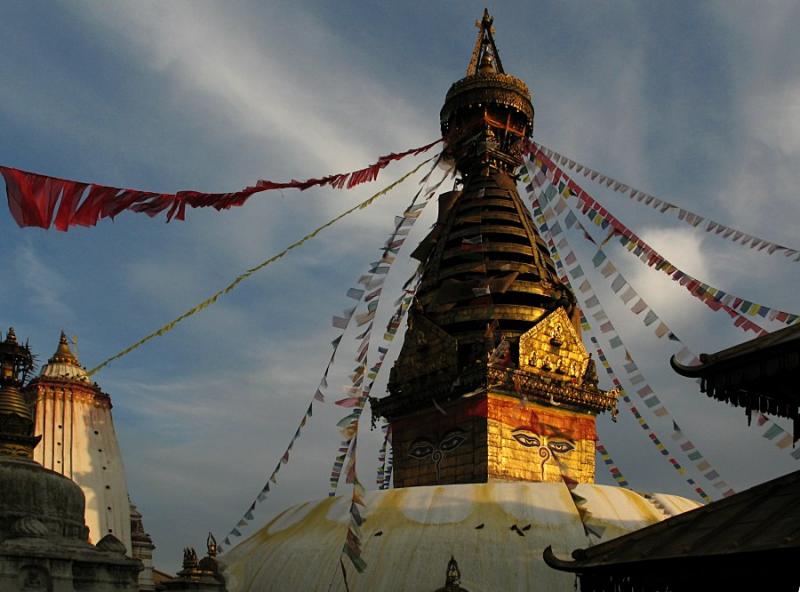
(763, 521)
(759, 374)
(787, 339)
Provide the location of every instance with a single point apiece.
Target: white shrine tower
(73, 417)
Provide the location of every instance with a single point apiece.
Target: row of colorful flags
(714, 298)
(612, 467)
(358, 393)
(368, 288)
(665, 207)
(635, 377)
(535, 175)
(363, 379)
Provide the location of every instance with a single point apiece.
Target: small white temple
(73, 417)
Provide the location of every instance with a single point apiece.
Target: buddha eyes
(420, 448)
(530, 440)
(561, 446)
(452, 440)
(526, 438)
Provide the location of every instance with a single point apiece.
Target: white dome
(64, 371)
(410, 534)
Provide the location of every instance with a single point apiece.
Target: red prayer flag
(32, 198)
(69, 204)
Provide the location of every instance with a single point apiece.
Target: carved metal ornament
(189, 557)
(452, 582)
(542, 388)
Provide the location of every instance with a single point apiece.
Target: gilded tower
(493, 381)
(492, 389)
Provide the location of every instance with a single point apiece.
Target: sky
(696, 103)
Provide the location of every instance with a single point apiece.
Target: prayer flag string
(637, 305)
(214, 297)
(249, 515)
(684, 215)
(374, 286)
(577, 274)
(372, 282)
(636, 378)
(773, 432)
(358, 395)
(362, 381)
(40, 200)
(628, 295)
(712, 297)
(611, 465)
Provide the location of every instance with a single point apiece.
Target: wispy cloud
(46, 285)
(684, 248)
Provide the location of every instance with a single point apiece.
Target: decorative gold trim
(546, 390)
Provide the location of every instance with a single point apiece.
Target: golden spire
(487, 116)
(63, 353)
(485, 51)
(64, 364)
(485, 261)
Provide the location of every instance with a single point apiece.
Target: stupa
(492, 401)
(43, 536)
(73, 419)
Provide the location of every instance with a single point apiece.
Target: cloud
(255, 88)
(45, 285)
(577, 123)
(765, 118)
(774, 117)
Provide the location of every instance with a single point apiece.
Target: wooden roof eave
(560, 564)
(771, 345)
(688, 371)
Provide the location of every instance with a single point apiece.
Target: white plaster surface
(409, 535)
(79, 441)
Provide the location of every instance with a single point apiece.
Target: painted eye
(561, 446)
(420, 449)
(526, 439)
(452, 440)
